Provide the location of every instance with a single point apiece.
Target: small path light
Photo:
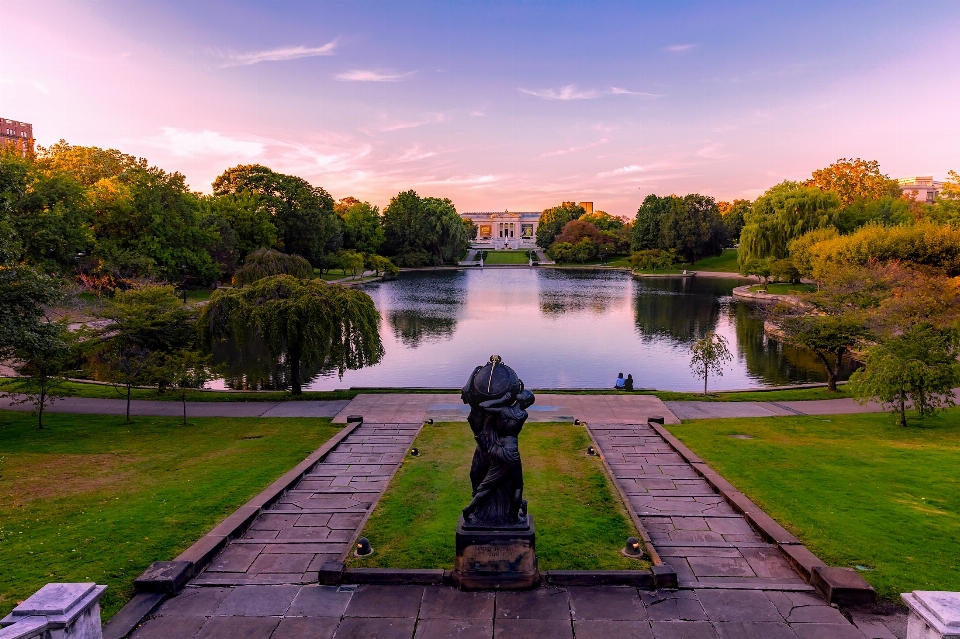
(632, 549)
(591, 450)
(576, 422)
(429, 421)
(363, 547)
(414, 452)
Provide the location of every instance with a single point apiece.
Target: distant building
(921, 188)
(14, 131)
(509, 228)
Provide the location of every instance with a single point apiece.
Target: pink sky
(494, 106)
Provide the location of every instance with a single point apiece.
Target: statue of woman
(498, 499)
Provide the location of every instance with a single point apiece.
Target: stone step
(700, 515)
(746, 584)
(712, 544)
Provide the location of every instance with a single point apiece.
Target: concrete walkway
(156, 408)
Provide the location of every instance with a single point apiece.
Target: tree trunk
(902, 413)
(43, 400)
(837, 364)
(294, 353)
(128, 403)
(183, 397)
(706, 373)
(831, 376)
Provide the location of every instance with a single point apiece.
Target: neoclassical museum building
(510, 227)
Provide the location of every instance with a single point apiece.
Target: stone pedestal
(496, 559)
(933, 615)
(57, 611)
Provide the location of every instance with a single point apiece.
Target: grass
(784, 288)
(660, 271)
(581, 522)
(93, 499)
(724, 263)
(105, 391)
(856, 489)
(506, 257)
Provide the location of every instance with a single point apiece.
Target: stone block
(636, 578)
(330, 573)
(164, 576)
(496, 559)
(354, 419)
(70, 609)
(802, 560)
(664, 576)
(842, 586)
(933, 614)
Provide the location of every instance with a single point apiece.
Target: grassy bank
(856, 489)
(93, 499)
(506, 257)
(723, 263)
(784, 288)
(580, 520)
(105, 391)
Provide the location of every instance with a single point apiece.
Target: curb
(837, 585)
(166, 578)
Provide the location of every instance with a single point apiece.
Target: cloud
(568, 92)
(477, 114)
(207, 143)
(713, 152)
(573, 149)
(280, 55)
(431, 119)
(680, 48)
(360, 75)
(642, 94)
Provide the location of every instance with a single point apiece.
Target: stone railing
(61, 611)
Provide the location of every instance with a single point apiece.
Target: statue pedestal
(496, 559)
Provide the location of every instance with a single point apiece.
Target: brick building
(15, 131)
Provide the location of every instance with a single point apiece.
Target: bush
(267, 262)
(652, 259)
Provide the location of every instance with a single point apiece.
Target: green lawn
(856, 489)
(506, 257)
(581, 522)
(726, 263)
(93, 499)
(784, 288)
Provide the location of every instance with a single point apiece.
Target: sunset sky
(496, 105)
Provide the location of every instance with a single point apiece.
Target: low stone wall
(744, 293)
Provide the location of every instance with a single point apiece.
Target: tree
(830, 337)
(919, 368)
(783, 214)
(267, 262)
(734, 216)
(143, 324)
(947, 205)
(42, 355)
(709, 354)
(604, 221)
(247, 216)
(553, 220)
(188, 370)
(303, 214)
(652, 259)
(576, 230)
(351, 261)
(690, 225)
(853, 179)
(362, 229)
(420, 231)
(377, 264)
(303, 321)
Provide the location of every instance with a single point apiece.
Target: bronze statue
(498, 406)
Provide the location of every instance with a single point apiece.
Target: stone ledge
(645, 579)
(392, 576)
(125, 621)
(842, 586)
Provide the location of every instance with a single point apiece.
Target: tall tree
(42, 356)
(303, 321)
(690, 225)
(553, 220)
(780, 215)
(852, 179)
(267, 262)
(247, 216)
(362, 227)
(421, 231)
(303, 214)
(734, 216)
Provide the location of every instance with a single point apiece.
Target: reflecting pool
(559, 328)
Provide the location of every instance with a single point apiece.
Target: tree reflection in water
(575, 290)
(679, 309)
(251, 367)
(425, 309)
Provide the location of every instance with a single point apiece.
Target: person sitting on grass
(628, 384)
(619, 383)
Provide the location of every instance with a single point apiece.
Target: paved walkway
(692, 528)
(319, 519)
(156, 408)
(437, 612)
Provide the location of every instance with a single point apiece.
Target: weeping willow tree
(782, 214)
(304, 321)
(266, 262)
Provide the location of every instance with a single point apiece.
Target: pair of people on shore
(624, 384)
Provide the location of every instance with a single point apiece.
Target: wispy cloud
(712, 152)
(430, 119)
(477, 114)
(206, 143)
(279, 55)
(642, 94)
(569, 92)
(680, 48)
(363, 75)
(573, 149)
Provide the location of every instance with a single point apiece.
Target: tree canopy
(423, 230)
(304, 321)
(267, 262)
(690, 225)
(854, 179)
(553, 220)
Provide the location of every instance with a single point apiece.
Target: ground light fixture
(414, 452)
(591, 450)
(363, 547)
(633, 547)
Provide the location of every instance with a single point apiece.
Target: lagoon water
(559, 328)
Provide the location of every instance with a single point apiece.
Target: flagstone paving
(318, 520)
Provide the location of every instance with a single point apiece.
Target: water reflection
(251, 367)
(680, 310)
(559, 328)
(572, 291)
